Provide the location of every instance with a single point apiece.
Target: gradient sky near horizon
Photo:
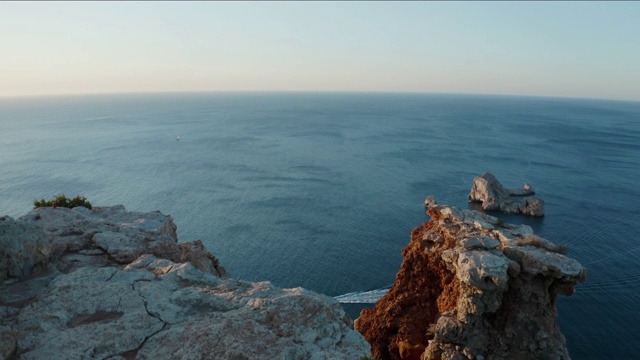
(569, 49)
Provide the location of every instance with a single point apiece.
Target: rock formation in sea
(493, 196)
(111, 283)
(473, 287)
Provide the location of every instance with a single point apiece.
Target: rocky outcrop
(493, 196)
(113, 235)
(473, 287)
(117, 284)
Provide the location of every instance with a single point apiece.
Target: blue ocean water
(322, 190)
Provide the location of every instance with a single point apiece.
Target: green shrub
(63, 201)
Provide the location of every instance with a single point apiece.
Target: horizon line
(372, 92)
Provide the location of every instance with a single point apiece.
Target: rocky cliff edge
(473, 287)
(109, 283)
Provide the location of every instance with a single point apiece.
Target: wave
(363, 297)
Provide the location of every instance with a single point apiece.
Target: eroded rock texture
(23, 249)
(472, 287)
(116, 284)
(493, 196)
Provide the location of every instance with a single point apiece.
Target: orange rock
(410, 352)
(402, 315)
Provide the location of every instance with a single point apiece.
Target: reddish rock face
(397, 327)
(472, 287)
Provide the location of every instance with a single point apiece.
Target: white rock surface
(114, 235)
(506, 271)
(95, 300)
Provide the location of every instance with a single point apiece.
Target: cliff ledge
(109, 283)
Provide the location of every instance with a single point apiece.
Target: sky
(567, 49)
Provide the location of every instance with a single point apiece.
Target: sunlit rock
(117, 284)
(472, 287)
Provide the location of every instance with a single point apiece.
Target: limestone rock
(23, 249)
(158, 309)
(117, 235)
(98, 299)
(493, 196)
(480, 242)
(472, 287)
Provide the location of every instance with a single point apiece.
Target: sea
(322, 190)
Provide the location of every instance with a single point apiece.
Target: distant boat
(178, 138)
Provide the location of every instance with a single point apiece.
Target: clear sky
(574, 49)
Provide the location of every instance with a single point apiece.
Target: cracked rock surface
(117, 285)
(473, 287)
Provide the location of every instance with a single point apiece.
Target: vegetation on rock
(63, 201)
